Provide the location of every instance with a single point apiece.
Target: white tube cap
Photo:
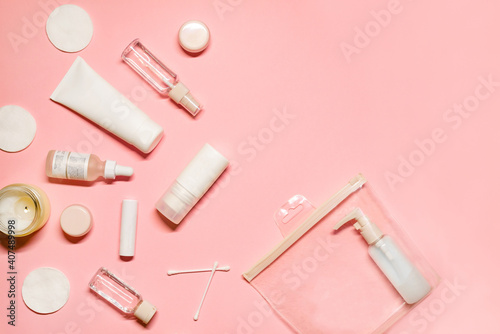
(147, 135)
(111, 170)
(192, 184)
(176, 202)
(128, 227)
(145, 311)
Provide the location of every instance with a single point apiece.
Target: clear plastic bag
(324, 281)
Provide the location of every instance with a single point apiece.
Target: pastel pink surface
(300, 101)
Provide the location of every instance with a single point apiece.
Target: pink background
(370, 109)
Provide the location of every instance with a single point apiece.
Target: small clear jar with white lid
(24, 209)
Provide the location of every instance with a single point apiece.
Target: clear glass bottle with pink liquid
(121, 295)
(82, 166)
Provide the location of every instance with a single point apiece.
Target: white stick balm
(128, 227)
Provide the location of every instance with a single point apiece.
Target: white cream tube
(87, 93)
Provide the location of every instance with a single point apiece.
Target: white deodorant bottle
(192, 184)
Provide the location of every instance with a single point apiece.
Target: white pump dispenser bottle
(401, 272)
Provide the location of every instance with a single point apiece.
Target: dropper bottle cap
(370, 232)
(111, 170)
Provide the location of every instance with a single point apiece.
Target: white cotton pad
(45, 290)
(69, 28)
(17, 128)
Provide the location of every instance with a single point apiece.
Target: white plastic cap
(111, 170)
(181, 95)
(145, 311)
(128, 227)
(192, 184)
(147, 136)
(176, 202)
(368, 230)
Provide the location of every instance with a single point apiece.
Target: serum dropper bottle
(81, 166)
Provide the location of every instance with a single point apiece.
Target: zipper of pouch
(318, 214)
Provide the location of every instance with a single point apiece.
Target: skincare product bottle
(24, 209)
(82, 166)
(87, 93)
(192, 184)
(122, 296)
(159, 76)
(400, 271)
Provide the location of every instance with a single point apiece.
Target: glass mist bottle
(121, 295)
(164, 80)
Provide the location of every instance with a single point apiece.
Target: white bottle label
(78, 164)
(70, 165)
(59, 163)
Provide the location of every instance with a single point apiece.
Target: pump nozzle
(368, 230)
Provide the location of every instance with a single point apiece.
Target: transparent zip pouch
(358, 278)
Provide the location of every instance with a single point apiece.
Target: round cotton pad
(17, 128)
(69, 28)
(194, 36)
(45, 290)
(76, 220)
